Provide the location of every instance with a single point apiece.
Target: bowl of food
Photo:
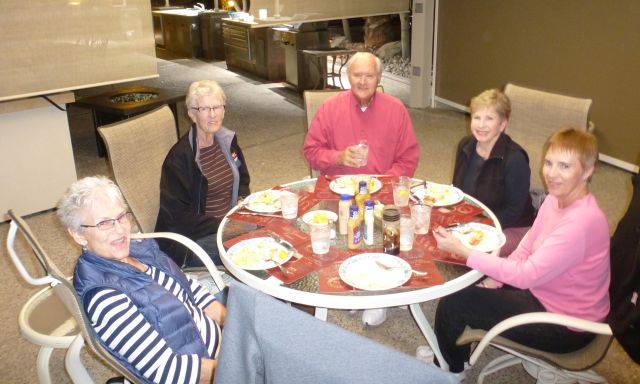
(319, 217)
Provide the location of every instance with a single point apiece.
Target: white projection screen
(50, 46)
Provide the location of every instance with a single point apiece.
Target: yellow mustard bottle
(354, 234)
(362, 196)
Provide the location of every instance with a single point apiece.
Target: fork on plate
(282, 268)
(385, 265)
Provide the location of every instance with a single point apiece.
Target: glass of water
(406, 232)
(401, 191)
(289, 204)
(363, 147)
(320, 238)
(421, 214)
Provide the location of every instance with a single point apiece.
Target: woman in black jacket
(203, 176)
(495, 169)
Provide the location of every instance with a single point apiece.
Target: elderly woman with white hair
(203, 176)
(162, 325)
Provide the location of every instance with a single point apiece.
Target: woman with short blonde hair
(561, 266)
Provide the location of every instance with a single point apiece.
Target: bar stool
(319, 60)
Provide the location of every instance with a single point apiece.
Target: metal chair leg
(72, 362)
(42, 362)
(497, 364)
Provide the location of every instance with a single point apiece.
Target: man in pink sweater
(344, 120)
(561, 266)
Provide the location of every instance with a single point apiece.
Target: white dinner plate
(481, 237)
(254, 254)
(349, 184)
(319, 217)
(263, 202)
(362, 272)
(440, 194)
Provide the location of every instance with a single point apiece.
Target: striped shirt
(217, 171)
(122, 327)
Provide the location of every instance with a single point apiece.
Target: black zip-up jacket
(503, 182)
(183, 189)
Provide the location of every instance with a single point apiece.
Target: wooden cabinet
(181, 34)
(254, 50)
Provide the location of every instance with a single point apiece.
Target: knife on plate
(456, 225)
(285, 244)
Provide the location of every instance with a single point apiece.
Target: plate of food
(438, 195)
(374, 271)
(258, 253)
(263, 202)
(349, 184)
(319, 217)
(481, 237)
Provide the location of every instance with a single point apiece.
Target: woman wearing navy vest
(162, 325)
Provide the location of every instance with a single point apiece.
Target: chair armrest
(193, 246)
(538, 317)
(17, 260)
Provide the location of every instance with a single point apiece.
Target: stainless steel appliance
(295, 39)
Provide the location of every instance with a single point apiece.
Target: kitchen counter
(178, 31)
(253, 49)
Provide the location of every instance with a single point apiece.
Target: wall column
(422, 53)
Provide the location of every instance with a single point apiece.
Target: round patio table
(306, 290)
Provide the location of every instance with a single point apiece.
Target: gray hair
(204, 88)
(368, 56)
(81, 195)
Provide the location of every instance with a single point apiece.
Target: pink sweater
(385, 124)
(563, 260)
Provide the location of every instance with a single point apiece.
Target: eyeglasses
(105, 225)
(215, 108)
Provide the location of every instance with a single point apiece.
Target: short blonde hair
(204, 88)
(492, 98)
(581, 142)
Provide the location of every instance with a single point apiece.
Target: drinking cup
(421, 214)
(289, 204)
(363, 147)
(320, 238)
(401, 191)
(406, 232)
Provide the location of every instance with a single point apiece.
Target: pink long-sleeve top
(385, 124)
(563, 260)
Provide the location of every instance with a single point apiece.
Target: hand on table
(351, 157)
(449, 243)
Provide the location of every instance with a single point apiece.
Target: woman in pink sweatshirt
(561, 266)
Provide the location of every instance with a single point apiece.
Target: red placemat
(429, 246)
(305, 202)
(298, 268)
(459, 213)
(323, 192)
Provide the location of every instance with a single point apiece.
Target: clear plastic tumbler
(289, 204)
(421, 214)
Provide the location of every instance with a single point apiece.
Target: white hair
(204, 88)
(367, 55)
(81, 195)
